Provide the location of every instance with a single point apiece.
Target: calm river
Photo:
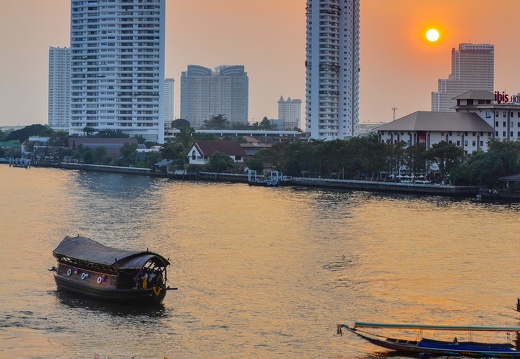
(261, 272)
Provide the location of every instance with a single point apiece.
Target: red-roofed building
(201, 151)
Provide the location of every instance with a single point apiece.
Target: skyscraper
(332, 69)
(206, 93)
(117, 66)
(472, 68)
(289, 112)
(168, 102)
(59, 88)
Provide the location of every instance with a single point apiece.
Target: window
(193, 155)
(465, 142)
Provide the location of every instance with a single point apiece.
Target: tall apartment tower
(117, 66)
(289, 113)
(206, 93)
(168, 102)
(332, 69)
(59, 88)
(472, 68)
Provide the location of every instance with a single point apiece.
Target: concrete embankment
(369, 186)
(388, 187)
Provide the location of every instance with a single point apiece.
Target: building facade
(117, 66)
(472, 68)
(59, 88)
(168, 102)
(289, 113)
(206, 93)
(332, 69)
(479, 117)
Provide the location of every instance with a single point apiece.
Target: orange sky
(398, 67)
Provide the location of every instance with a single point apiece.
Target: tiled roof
(438, 121)
(209, 147)
(476, 95)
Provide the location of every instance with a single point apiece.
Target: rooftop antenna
(393, 110)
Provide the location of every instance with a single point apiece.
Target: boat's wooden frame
(437, 347)
(88, 268)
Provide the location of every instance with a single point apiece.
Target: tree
(175, 151)
(89, 131)
(185, 137)
(113, 134)
(414, 158)
(394, 156)
(486, 168)
(446, 155)
(181, 123)
(265, 124)
(58, 138)
(128, 154)
(218, 122)
(220, 162)
(33, 130)
(255, 164)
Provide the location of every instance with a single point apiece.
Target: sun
(432, 35)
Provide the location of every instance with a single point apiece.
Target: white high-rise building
(206, 93)
(332, 69)
(472, 69)
(59, 88)
(289, 113)
(168, 102)
(117, 66)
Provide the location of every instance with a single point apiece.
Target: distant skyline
(399, 68)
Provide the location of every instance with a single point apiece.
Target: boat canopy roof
(469, 328)
(87, 250)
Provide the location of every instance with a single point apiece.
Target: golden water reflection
(261, 272)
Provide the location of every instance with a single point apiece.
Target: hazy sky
(399, 68)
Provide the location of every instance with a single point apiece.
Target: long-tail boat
(374, 333)
(92, 269)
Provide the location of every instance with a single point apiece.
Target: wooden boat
(438, 347)
(92, 269)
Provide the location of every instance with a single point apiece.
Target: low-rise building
(201, 151)
(479, 117)
(112, 145)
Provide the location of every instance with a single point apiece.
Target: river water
(261, 272)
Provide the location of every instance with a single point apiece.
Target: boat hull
(434, 347)
(127, 296)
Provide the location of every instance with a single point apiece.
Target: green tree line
(359, 158)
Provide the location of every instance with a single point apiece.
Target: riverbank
(352, 185)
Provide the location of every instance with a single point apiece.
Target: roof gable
(209, 147)
(438, 121)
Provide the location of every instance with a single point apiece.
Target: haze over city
(399, 67)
